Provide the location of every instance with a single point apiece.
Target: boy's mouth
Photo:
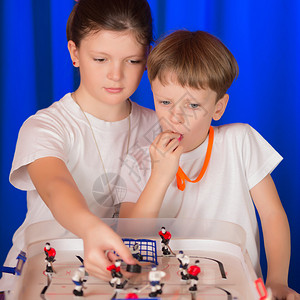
(180, 138)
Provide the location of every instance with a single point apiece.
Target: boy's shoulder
(233, 129)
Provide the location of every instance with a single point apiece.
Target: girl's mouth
(114, 90)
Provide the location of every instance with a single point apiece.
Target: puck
(134, 268)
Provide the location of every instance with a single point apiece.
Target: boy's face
(187, 111)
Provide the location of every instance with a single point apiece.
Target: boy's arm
(165, 153)
(276, 234)
(149, 202)
(60, 193)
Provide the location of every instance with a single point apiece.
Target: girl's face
(187, 111)
(111, 65)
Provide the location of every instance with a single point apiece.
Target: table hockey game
(226, 270)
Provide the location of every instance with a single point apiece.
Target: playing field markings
(220, 264)
(229, 296)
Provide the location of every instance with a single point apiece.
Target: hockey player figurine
(50, 257)
(193, 271)
(184, 261)
(116, 275)
(78, 280)
(165, 239)
(154, 277)
(135, 251)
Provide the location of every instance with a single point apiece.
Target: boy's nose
(176, 116)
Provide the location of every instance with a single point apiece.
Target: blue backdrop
(264, 36)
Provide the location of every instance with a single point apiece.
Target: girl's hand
(97, 242)
(283, 292)
(165, 152)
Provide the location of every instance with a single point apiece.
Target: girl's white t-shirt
(62, 131)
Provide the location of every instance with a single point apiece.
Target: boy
(200, 171)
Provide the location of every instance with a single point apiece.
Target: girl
(68, 155)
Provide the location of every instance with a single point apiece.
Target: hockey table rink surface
(238, 284)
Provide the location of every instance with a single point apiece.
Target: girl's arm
(60, 193)
(276, 234)
(165, 152)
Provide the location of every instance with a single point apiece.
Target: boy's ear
(73, 53)
(220, 107)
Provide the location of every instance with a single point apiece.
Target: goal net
(147, 248)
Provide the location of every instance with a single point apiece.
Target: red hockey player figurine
(116, 275)
(50, 257)
(193, 272)
(165, 239)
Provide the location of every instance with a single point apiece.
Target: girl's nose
(115, 72)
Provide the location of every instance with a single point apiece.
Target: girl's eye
(194, 105)
(134, 62)
(99, 59)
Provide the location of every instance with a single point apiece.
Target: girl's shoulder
(59, 115)
(146, 119)
(142, 111)
(58, 109)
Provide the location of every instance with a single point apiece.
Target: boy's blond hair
(197, 59)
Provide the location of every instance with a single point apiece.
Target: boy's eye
(194, 105)
(165, 102)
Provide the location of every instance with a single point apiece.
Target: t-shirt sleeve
(259, 156)
(38, 137)
(134, 172)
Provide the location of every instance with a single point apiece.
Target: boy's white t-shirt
(240, 159)
(62, 131)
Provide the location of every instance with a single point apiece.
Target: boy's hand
(165, 152)
(282, 291)
(97, 241)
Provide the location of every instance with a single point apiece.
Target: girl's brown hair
(115, 15)
(197, 59)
